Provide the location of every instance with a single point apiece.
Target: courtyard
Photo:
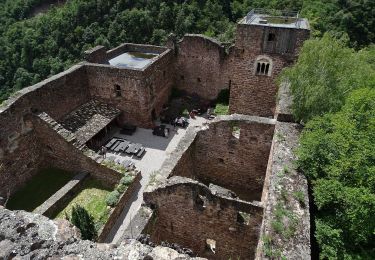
(157, 150)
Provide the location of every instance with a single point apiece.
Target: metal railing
(272, 12)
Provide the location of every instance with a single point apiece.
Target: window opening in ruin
(243, 218)
(199, 79)
(164, 73)
(236, 131)
(211, 245)
(117, 90)
(271, 37)
(263, 66)
(182, 77)
(201, 202)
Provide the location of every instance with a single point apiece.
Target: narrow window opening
(201, 202)
(236, 131)
(243, 218)
(263, 68)
(164, 73)
(271, 37)
(258, 68)
(211, 245)
(267, 68)
(118, 91)
(199, 79)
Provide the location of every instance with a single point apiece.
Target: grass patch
(39, 189)
(300, 197)
(221, 109)
(92, 198)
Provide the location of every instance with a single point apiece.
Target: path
(157, 150)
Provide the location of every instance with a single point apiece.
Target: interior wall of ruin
(231, 154)
(59, 153)
(201, 66)
(20, 152)
(187, 213)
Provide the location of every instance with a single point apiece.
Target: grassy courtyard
(91, 197)
(39, 189)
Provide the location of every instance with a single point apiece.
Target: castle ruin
(217, 192)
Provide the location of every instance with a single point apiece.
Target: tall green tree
(325, 73)
(84, 221)
(337, 153)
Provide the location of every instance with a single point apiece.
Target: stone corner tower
(265, 43)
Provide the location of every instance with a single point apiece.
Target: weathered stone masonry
(239, 164)
(187, 213)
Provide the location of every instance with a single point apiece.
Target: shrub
(84, 221)
(221, 109)
(112, 198)
(126, 180)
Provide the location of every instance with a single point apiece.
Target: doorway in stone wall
(153, 115)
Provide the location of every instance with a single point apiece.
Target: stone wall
(256, 94)
(187, 213)
(25, 235)
(282, 184)
(20, 152)
(60, 153)
(142, 91)
(116, 212)
(61, 198)
(202, 66)
(237, 163)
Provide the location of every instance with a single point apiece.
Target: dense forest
(33, 48)
(332, 84)
(333, 90)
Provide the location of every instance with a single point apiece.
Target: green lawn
(92, 198)
(39, 189)
(221, 109)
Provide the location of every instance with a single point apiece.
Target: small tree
(84, 221)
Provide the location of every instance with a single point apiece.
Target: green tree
(325, 73)
(84, 221)
(337, 154)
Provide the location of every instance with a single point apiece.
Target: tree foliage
(34, 48)
(84, 221)
(337, 154)
(326, 72)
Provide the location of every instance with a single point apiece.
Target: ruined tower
(265, 43)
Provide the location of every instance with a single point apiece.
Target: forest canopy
(34, 48)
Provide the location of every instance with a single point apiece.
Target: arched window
(263, 66)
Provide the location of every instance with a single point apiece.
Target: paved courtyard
(157, 150)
